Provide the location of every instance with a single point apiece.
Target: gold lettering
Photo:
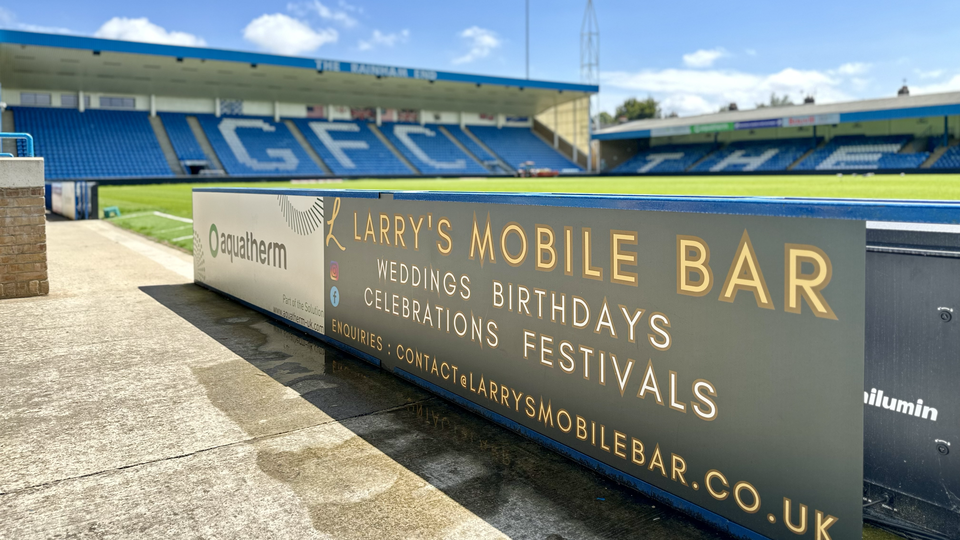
(807, 286)
(481, 245)
(637, 451)
(745, 274)
(740, 486)
(445, 235)
(718, 495)
(546, 247)
(589, 271)
(822, 526)
(399, 226)
(369, 230)
(384, 229)
(656, 461)
(416, 232)
(619, 444)
(699, 264)
(513, 227)
(677, 467)
(787, 509)
(619, 257)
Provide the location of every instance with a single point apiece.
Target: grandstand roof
(790, 116)
(36, 61)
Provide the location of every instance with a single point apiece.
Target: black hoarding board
(718, 358)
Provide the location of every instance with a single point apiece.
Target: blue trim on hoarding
(617, 475)
(947, 212)
(328, 340)
(202, 53)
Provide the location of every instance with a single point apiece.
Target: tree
(605, 119)
(776, 101)
(634, 109)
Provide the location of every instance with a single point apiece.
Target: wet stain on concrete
(371, 456)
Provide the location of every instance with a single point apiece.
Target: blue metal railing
(26, 136)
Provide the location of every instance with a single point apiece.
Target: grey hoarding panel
(910, 395)
(709, 382)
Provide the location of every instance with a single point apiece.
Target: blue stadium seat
(184, 143)
(248, 145)
(429, 149)
(517, 145)
(665, 158)
(470, 144)
(862, 152)
(771, 155)
(350, 148)
(949, 160)
(93, 144)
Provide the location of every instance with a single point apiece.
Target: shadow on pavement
(513, 484)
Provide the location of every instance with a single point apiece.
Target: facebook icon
(334, 296)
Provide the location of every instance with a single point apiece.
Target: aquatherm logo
(246, 247)
(214, 240)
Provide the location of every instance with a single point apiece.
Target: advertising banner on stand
(713, 361)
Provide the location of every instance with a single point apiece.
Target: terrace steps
(393, 149)
(204, 143)
(168, 152)
(298, 135)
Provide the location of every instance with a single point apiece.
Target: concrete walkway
(134, 404)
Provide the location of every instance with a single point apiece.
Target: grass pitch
(152, 210)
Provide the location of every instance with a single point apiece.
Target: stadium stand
(665, 158)
(471, 145)
(517, 145)
(863, 152)
(772, 155)
(256, 146)
(350, 148)
(184, 143)
(93, 144)
(429, 149)
(949, 160)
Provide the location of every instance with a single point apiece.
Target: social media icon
(334, 296)
(334, 271)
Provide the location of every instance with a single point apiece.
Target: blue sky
(692, 56)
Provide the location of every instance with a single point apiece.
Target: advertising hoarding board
(714, 361)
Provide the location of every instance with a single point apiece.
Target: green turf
(175, 199)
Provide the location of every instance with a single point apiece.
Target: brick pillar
(23, 236)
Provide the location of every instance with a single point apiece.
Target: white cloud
(950, 85)
(340, 16)
(143, 30)
(282, 34)
(481, 42)
(853, 68)
(703, 58)
(9, 20)
(933, 74)
(751, 52)
(386, 40)
(690, 92)
(348, 7)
